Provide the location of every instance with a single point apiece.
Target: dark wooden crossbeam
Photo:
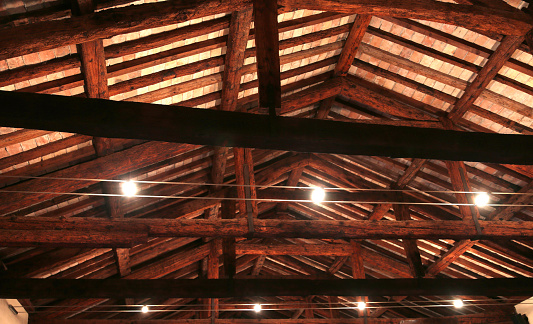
(468, 16)
(226, 288)
(220, 128)
(485, 318)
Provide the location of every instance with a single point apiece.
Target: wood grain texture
(50, 34)
(467, 16)
(268, 62)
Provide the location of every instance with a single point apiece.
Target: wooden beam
(292, 181)
(105, 24)
(482, 318)
(412, 253)
(268, 63)
(94, 71)
(228, 243)
(373, 95)
(460, 183)
(22, 231)
(467, 16)
(495, 62)
(295, 249)
(199, 126)
(458, 249)
(409, 174)
(239, 30)
(226, 288)
(355, 37)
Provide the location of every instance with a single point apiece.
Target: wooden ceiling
(402, 110)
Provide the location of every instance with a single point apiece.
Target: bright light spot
(144, 309)
(481, 199)
(361, 306)
(257, 308)
(458, 303)
(318, 195)
(129, 188)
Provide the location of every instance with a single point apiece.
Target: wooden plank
(269, 228)
(225, 288)
(402, 213)
(467, 16)
(495, 62)
(268, 63)
(199, 126)
(20, 136)
(105, 24)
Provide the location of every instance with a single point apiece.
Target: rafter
(491, 68)
(409, 174)
(355, 37)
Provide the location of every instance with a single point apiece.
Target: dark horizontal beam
(35, 231)
(241, 288)
(104, 118)
(493, 317)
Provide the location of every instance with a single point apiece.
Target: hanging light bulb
(481, 199)
(129, 188)
(361, 306)
(318, 195)
(257, 308)
(458, 303)
(144, 309)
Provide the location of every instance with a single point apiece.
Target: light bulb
(129, 188)
(318, 195)
(458, 303)
(257, 308)
(481, 199)
(361, 306)
(144, 309)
